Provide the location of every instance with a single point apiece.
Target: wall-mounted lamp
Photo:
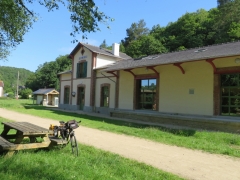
(73, 94)
(237, 60)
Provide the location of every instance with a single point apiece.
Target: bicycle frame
(63, 130)
(66, 132)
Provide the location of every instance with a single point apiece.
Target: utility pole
(17, 85)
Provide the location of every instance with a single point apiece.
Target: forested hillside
(9, 76)
(196, 29)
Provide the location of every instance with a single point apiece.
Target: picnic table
(12, 142)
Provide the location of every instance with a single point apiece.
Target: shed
(46, 97)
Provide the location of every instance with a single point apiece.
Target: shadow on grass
(179, 132)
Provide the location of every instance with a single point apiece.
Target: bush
(25, 93)
(11, 95)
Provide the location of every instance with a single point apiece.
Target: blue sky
(50, 35)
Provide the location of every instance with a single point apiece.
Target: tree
(14, 23)
(134, 32)
(46, 74)
(16, 19)
(227, 22)
(190, 30)
(223, 2)
(32, 82)
(144, 46)
(25, 93)
(104, 44)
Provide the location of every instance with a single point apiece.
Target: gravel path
(189, 164)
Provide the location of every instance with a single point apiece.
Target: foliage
(188, 31)
(134, 32)
(144, 46)
(32, 82)
(223, 2)
(25, 93)
(11, 95)
(191, 30)
(104, 44)
(227, 22)
(16, 19)
(14, 23)
(213, 142)
(46, 74)
(9, 77)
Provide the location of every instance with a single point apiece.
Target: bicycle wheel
(74, 145)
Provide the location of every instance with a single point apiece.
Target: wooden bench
(57, 141)
(7, 146)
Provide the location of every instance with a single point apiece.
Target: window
(146, 94)
(66, 95)
(230, 94)
(81, 70)
(105, 96)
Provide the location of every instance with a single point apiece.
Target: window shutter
(85, 69)
(77, 74)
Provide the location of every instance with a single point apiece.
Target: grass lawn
(213, 142)
(60, 164)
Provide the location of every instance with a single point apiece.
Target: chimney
(115, 49)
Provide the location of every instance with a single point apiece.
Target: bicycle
(66, 132)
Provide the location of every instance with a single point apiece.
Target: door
(81, 97)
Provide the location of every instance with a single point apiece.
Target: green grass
(60, 164)
(213, 142)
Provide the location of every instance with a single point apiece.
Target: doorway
(146, 90)
(230, 94)
(81, 97)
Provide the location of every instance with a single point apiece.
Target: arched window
(66, 95)
(105, 92)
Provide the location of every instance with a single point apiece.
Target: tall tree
(135, 31)
(16, 19)
(223, 2)
(227, 22)
(14, 23)
(144, 46)
(104, 44)
(188, 31)
(46, 74)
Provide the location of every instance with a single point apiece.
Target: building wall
(189, 93)
(63, 84)
(79, 58)
(226, 62)
(104, 60)
(174, 87)
(126, 88)
(65, 77)
(105, 80)
(86, 83)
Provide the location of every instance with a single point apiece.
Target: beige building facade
(203, 81)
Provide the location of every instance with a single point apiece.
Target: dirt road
(189, 164)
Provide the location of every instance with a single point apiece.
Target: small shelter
(46, 97)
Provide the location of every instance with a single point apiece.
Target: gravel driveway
(189, 164)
